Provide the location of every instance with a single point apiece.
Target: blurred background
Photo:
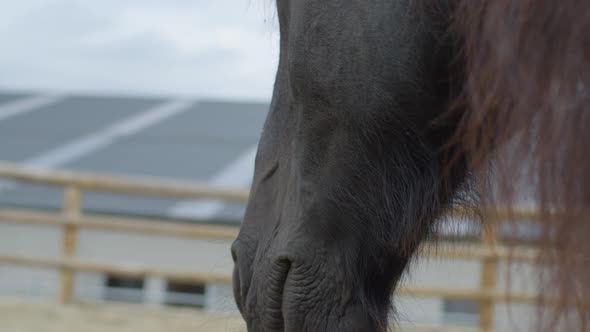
(172, 90)
(128, 131)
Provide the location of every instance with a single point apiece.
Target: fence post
(488, 276)
(71, 209)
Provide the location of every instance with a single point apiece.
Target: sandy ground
(25, 316)
(20, 316)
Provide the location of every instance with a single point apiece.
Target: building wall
(212, 256)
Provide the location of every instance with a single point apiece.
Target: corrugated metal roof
(202, 140)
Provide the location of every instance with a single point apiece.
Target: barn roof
(202, 140)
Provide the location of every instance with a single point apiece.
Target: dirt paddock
(26, 316)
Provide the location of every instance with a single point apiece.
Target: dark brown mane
(527, 83)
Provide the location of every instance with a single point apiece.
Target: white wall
(186, 254)
(178, 254)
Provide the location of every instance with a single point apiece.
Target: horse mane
(527, 88)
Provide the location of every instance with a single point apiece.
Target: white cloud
(221, 48)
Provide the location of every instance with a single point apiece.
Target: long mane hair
(527, 86)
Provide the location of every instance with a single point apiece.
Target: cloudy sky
(200, 48)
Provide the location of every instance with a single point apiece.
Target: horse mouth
(276, 293)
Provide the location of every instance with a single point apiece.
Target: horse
(386, 114)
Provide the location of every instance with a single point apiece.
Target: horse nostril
(237, 288)
(276, 292)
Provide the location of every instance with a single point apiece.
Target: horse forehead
(348, 38)
(305, 14)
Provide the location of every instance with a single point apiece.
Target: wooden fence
(72, 218)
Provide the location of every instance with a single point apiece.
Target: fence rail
(144, 186)
(72, 218)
